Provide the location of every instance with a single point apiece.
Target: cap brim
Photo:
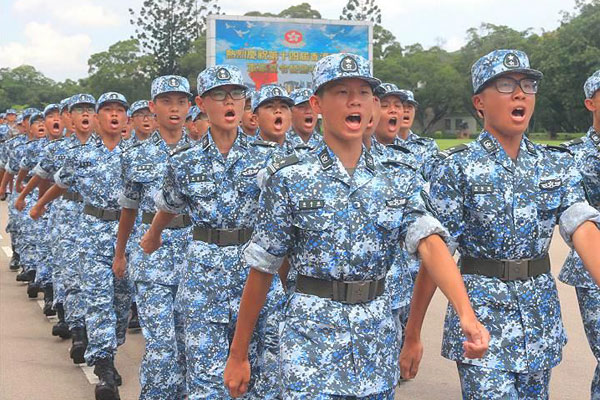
(288, 100)
(78, 104)
(100, 105)
(373, 82)
(399, 94)
(173, 91)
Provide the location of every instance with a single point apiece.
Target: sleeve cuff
(39, 171)
(126, 202)
(424, 226)
(573, 217)
(258, 258)
(59, 182)
(162, 205)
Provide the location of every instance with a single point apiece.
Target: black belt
(506, 270)
(180, 221)
(73, 196)
(345, 292)
(102, 213)
(222, 237)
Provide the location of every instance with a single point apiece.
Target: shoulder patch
(282, 163)
(181, 149)
(399, 148)
(263, 143)
(391, 162)
(452, 150)
(424, 140)
(133, 146)
(559, 149)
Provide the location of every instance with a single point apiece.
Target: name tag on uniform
(396, 203)
(311, 204)
(85, 164)
(145, 167)
(61, 157)
(252, 171)
(550, 184)
(482, 189)
(197, 178)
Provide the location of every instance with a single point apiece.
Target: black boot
(134, 321)
(26, 276)
(15, 261)
(33, 289)
(118, 379)
(48, 300)
(61, 329)
(79, 345)
(106, 389)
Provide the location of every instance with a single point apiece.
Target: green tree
(166, 28)
(194, 61)
(24, 85)
(121, 68)
(303, 10)
(361, 10)
(384, 43)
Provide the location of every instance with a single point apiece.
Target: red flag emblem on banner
(293, 37)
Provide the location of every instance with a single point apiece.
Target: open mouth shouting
(393, 122)
(174, 119)
(85, 123)
(308, 122)
(230, 117)
(353, 121)
(114, 124)
(518, 114)
(278, 123)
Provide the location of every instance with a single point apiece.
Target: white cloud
(58, 56)
(81, 13)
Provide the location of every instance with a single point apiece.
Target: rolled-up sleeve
(273, 233)
(170, 197)
(573, 217)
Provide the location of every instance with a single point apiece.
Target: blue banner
(278, 51)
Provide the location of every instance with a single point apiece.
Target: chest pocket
(247, 182)
(484, 198)
(200, 185)
(146, 173)
(391, 217)
(313, 215)
(549, 194)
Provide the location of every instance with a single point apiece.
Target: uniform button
(356, 204)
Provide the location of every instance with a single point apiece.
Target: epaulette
(398, 147)
(263, 143)
(452, 150)
(560, 149)
(133, 146)
(282, 163)
(397, 163)
(181, 149)
(424, 140)
(303, 147)
(571, 143)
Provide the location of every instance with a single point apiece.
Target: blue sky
(57, 37)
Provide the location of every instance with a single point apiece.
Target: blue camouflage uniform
(499, 209)
(220, 193)
(94, 172)
(337, 227)
(302, 96)
(573, 272)
(157, 275)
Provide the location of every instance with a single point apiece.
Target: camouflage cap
(81, 98)
(19, 119)
(11, 111)
(219, 75)
(111, 97)
(50, 108)
(301, 95)
(592, 85)
(500, 62)
(64, 104)
(2, 115)
(192, 113)
(169, 84)
(30, 111)
(389, 89)
(410, 96)
(35, 116)
(342, 65)
(139, 105)
(270, 92)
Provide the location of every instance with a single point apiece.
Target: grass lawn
(447, 143)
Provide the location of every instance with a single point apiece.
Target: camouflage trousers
(589, 306)
(72, 282)
(163, 366)
(480, 383)
(107, 302)
(293, 395)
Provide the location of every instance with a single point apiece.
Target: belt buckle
(357, 292)
(516, 270)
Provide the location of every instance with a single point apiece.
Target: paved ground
(34, 365)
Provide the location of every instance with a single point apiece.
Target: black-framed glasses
(83, 109)
(220, 94)
(506, 84)
(143, 115)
